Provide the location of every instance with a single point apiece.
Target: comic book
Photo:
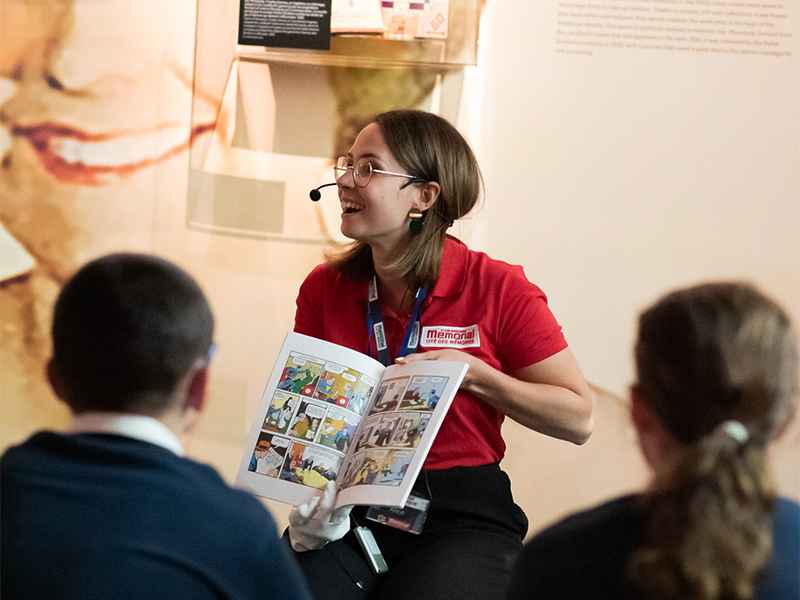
(330, 413)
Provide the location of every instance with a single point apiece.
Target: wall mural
(95, 116)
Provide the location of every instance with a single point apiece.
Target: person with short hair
(112, 508)
(716, 382)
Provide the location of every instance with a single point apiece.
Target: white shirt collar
(139, 427)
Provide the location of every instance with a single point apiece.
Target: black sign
(285, 23)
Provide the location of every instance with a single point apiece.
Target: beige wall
(615, 176)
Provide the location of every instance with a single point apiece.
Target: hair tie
(736, 430)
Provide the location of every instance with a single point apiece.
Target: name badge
(410, 518)
(450, 337)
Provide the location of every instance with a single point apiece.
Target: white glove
(315, 523)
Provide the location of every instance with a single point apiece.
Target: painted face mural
(95, 117)
(98, 122)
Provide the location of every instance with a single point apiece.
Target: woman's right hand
(313, 524)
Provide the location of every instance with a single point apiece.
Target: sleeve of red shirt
(529, 332)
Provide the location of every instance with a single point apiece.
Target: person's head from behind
(717, 380)
(131, 333)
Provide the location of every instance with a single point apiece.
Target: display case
(457, 46)
(268, 121)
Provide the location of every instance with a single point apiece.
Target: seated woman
(405, 290)
(717, 369)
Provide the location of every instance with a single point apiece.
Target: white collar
(139, 427)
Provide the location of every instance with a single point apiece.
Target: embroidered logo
(450, 337)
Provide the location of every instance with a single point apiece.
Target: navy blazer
(100, 516)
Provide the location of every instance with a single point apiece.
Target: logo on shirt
(450, 337)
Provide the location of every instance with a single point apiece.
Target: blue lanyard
(375, 324)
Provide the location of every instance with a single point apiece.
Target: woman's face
(377, 214)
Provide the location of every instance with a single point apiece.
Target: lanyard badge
(376, 328)
(410, 517)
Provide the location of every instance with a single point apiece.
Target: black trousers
(467, 549)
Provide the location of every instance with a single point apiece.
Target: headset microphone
(315, 195)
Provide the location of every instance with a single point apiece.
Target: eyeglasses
(363, 170)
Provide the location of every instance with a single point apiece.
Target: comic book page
(309, 414)
(397, 431)
(329, 413)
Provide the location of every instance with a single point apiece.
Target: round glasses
(363, 170)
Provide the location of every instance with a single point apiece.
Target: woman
(717, 370)
(407, 177)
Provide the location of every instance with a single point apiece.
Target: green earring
(416, 221)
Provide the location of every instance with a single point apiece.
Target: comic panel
(393, 468)
(310, 465)
(377, 431)
(336, 384)
(301, 374)
(280, 411)
(351, 469)
(268, 455)
(338, 429)
(412, 426)
(307, 420)
(361, 394)
(389, 394)
(364, 468)
(423, 392)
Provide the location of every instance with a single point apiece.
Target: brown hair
(706, 355)
(430, 148)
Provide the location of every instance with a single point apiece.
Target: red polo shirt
(482, 306)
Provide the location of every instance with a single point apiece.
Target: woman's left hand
(550, 396)
(475, 364)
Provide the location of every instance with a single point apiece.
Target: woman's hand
(475, 364)
(313, 524)
(551, 396)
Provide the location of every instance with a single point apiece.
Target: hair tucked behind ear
(706, 355)
(432, 149)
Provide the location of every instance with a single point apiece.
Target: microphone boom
(315, 194)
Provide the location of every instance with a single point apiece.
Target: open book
(333, 414)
